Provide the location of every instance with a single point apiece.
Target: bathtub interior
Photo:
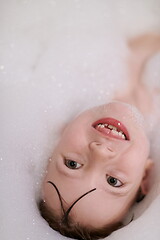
(57, 59)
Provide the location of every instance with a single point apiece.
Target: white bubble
(1, 67)
(58, 59)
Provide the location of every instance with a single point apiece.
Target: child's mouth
(112, 128)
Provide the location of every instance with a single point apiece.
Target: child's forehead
(85, 202)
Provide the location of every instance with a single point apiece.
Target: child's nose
(102, 150)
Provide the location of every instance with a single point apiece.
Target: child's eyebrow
(66, 213)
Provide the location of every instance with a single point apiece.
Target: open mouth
(112, 128)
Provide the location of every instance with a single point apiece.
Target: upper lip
(114, 122)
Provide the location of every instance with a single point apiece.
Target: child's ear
(145, 184)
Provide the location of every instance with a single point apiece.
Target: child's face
(89, 157)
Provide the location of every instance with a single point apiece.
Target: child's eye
(72, 164)
(114, 182)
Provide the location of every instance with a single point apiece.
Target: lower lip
(113, 122)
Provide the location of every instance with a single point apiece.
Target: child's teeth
(123, 136)
(102, 125)
(113, 129)
(118, 134)
(115, 132)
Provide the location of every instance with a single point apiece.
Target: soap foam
(58, 58)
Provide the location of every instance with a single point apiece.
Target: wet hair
(74, 230)
(67, 227)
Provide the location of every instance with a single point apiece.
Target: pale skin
(86, 158)
(137, 93)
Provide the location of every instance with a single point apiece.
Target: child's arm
(142, 48)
